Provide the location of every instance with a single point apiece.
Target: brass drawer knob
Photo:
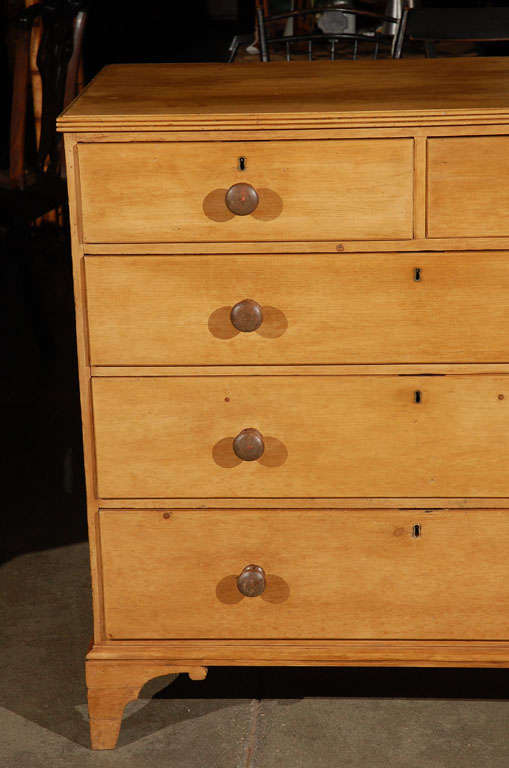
(246, 316)
(251, 581)
(249, 445)
(241, 199)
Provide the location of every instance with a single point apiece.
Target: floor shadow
(350, 682)
(148, 718)
(44, 637)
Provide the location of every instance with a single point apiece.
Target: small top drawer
(302, 190)
(468, 193)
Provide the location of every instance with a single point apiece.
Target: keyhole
(416, 530)
(242, 163)
(417, 274)
(417, 396)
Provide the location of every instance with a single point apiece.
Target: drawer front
(321, 436)
(307, 190)
(348, 308)
(467, 184)
(325, 574)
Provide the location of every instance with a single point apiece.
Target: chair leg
(429, 49)
(399, 37)
(264, 53)
(234, 47)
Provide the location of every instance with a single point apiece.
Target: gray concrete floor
(235, 719)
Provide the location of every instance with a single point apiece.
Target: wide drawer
(467, 187)
(346, 308)
(307, 190)
(325, 574)
(323, 436)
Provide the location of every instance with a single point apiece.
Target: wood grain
(112, 684)
(291, 95)
(73, 184)
(316, 652)
(324, 436)
(443, 244)
(363, 309)
(329, 574)
(180, 190)
(420, 167)
(468, 196)
(310, 503)
(358, 369)
(471, 125)
(365, 172)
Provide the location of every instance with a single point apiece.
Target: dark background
(42, 476)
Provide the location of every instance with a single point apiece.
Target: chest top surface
(144, 96)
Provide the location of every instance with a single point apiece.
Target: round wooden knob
(246, 316)
(241, 199)
(251, 581)
(248, 445)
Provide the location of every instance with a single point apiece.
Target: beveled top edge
(292, 94)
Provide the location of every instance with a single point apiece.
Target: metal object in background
(336, 22)
(393, 8)
(371, 35)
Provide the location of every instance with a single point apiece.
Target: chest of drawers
(291, 293)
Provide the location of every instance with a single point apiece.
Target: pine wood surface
(466, 194)
(180, 190)
(325, 436)
(354, 369)
(311, 503)
(112, 684)
(329, 574)
(439, 245)
(297, 93)
(85, 385)
(317, 309)
(144, 146)
(316, 652)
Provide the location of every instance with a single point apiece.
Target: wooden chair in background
(34, 182)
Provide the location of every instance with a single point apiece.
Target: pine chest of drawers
(293, 332)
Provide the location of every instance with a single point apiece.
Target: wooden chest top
(296, 94)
